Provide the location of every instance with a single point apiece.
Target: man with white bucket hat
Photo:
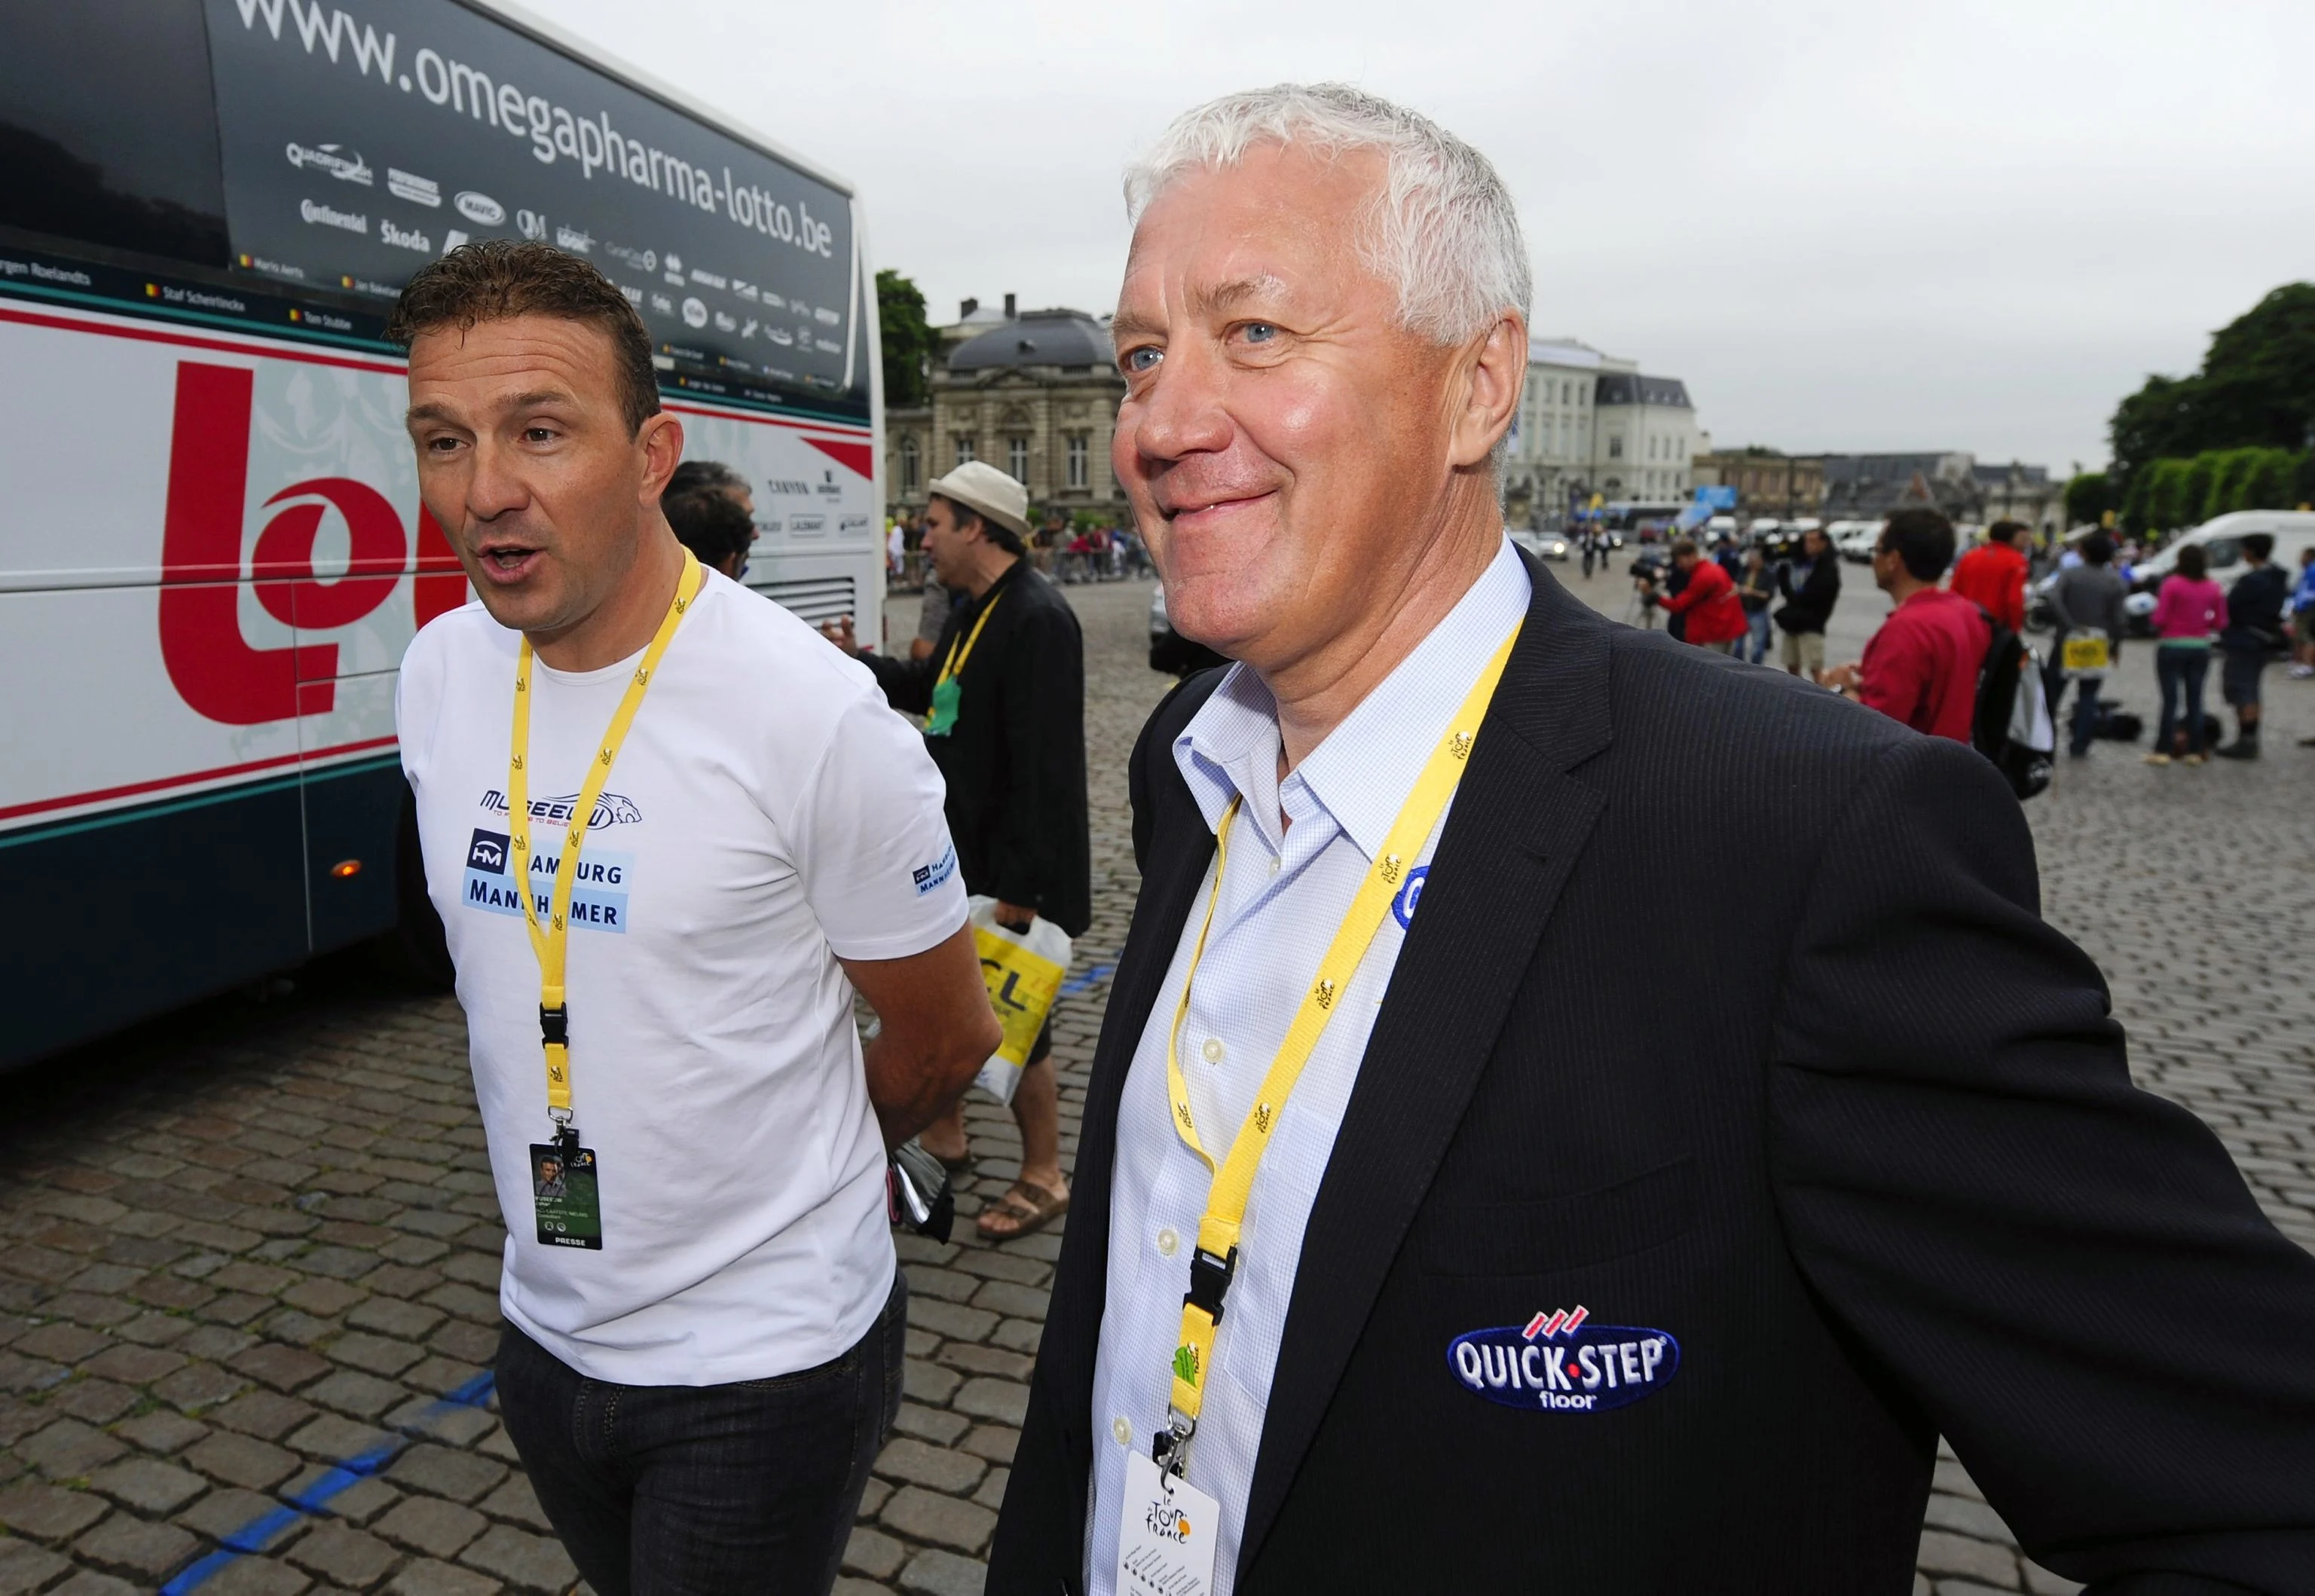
(1003, 695)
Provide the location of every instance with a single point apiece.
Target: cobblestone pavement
(250, 1289)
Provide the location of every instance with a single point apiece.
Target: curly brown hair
(497, 278)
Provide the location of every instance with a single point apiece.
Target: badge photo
(1562, 1362)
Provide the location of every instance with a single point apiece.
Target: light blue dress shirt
(1287, 890)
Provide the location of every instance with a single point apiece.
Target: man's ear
(661, 439)
(1489, 374)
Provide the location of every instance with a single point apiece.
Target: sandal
(959, 1167)
(1024, 1207)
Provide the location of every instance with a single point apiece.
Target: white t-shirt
(768, 813)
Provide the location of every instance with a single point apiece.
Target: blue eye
(1144, 358)
(1260, 331)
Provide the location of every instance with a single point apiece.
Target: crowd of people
(1397, 1169)
(1925, 664)
(1069, 551)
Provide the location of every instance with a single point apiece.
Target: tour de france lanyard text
(947, 690)
(552, 941)
(1215, 1260)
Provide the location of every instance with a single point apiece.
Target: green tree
(2090, 494)
(908, 337)
(2270, 480)
(2230, 470)
(2167, 489)
(2255, 388)
(2193, 500)
(2152, 425)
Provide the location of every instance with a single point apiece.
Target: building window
(1017, 458)
(964, 448)
(1615, 446)
(908, 463)
(1080, 452)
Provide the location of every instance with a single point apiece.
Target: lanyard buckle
(554, 1024)
(1169, 1448)
(1209, 1281)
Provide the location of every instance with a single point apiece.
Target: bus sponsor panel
(250, 557)
(361, 137)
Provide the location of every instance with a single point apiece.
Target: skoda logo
(480, 209)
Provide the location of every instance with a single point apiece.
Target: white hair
(1442, 228)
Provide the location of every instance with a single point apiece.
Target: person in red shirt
(1716, 615)
(1921, 667)
(1994, 574)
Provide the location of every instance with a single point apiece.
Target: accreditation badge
(946, 694)
(564, 1187)
(1166, 1533)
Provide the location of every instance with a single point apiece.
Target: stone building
(1033, 392)
(1768, 482)
(2021, 493)
(1644, 437)
(1863, 486)
(1592, 423)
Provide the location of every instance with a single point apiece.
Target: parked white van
(2220, 540)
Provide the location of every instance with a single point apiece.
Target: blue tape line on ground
(238, 1543)
(1097, 974)
(252, 1536)
(198, 1572)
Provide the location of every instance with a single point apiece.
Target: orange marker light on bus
(346, 867)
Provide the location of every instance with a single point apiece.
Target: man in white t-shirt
(703, 1349)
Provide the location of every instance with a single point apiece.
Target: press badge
(947, 694)
(569, 1203)
(1166, 1534)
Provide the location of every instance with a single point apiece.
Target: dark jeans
(2180, 670)
(704, 1490)
(2082, 730)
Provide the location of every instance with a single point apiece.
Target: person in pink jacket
(2189, 612)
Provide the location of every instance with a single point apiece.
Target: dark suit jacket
(1016, 760)
(1835, 1109)
(1809, 607)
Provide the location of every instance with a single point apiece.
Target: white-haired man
(1507, 1269)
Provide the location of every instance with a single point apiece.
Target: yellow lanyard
(960, 651)
(1216, 1258)
(550, 943)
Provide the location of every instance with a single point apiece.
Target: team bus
(212, 553)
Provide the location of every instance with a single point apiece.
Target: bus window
(134, 168)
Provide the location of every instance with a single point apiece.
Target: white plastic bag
(1023, 969)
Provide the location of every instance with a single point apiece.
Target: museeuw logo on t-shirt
(768, 817)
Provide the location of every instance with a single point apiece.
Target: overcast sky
(1847, 223)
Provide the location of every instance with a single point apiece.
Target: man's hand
(1014, 918)
(939, 1031)
(840, 633)
(1840, 678)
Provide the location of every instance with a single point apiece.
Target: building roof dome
(1037, 337)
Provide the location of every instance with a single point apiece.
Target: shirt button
(1213, 1049)
(1276, 865)
(1122, 1431)
(1166, 1243)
